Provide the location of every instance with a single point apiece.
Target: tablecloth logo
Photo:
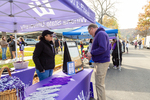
(81, 96)
(43, 11)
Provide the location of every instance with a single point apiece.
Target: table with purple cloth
(26, 75)
(78, 88)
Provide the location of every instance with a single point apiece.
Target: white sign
(71, 68)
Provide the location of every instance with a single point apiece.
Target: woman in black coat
(44, 55)
(115, 55)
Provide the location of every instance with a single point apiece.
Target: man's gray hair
(92, 25)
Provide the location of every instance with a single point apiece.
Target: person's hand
(89, 54)
(89, 58)
(43, 71)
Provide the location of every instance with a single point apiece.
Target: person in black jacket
(115, 55)
(13, 48)
(44, 55)
(10, 47)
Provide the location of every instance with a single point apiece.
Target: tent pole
(15, 31)
(62, 45)
(118, 52)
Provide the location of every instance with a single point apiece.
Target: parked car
(30, 42)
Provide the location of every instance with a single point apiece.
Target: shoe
(114, 67)
(108, 68)
(92, 66)
(119, 68)
(14, 59)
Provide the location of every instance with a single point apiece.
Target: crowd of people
(12, 47)
(10, 43)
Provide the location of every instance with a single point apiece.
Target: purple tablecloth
(26, 75)
(77, 89)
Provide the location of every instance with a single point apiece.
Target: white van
(147, 42)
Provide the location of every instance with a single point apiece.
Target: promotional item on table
(49, 89)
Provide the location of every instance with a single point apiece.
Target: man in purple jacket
(100, 54)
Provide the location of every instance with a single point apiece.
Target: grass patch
(58, 60)
(29, 48)
(10, 65)
(28, 54)
(31, 63)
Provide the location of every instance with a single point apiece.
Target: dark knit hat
(45, 32)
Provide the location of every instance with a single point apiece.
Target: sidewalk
(2, 62)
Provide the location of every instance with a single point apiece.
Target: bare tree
(101, 8)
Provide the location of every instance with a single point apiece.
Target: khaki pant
(100, 70)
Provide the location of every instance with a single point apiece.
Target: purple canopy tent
(34, 15)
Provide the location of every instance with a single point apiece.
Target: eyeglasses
(51, 35)
(89, 30)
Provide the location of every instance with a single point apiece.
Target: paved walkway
(11, 61)
(133, 82)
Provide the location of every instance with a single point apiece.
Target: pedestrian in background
(100, 54)
(44, 55)
(135, 44)
(140, 44)
(4, 44)
(61, 44)
(117, 55)
(21, 47)
(57, 45)
(10, 48)
(81, 45)
(123, 44)
(12, 44)
(127, 46)
(89, 50)
(112, 53)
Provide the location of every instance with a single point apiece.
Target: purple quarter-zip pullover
(100, 49)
